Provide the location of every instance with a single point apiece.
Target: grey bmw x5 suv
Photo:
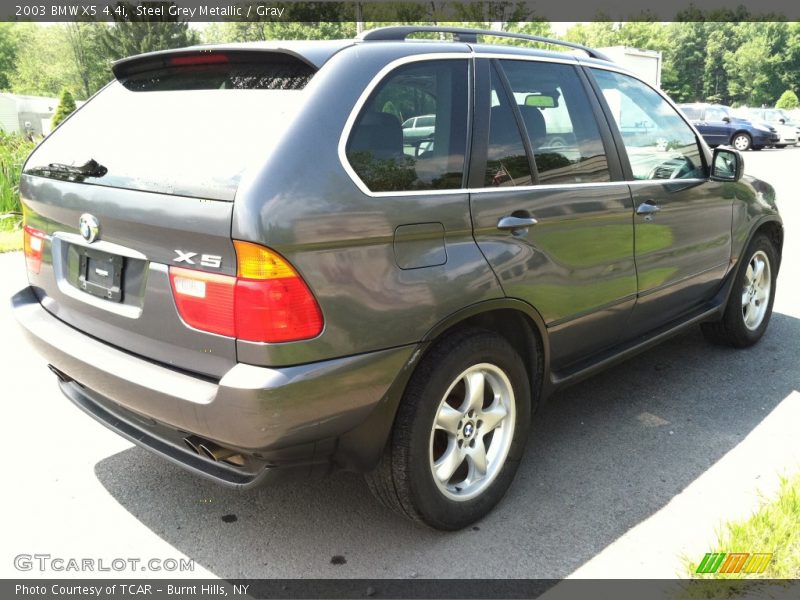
(237, 261)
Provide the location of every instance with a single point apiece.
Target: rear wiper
(90, 168)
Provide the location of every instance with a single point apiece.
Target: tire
(741, 141)
(405, 479)
(750, 302)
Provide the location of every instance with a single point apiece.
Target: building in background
(29, 115)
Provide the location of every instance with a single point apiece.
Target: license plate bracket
(100, 274)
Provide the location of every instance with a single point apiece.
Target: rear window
(186, 129)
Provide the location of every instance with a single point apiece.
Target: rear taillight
(266, 302)
(33, 244)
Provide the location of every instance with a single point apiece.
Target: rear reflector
(204, 300)
(33, 244)
(268, 301)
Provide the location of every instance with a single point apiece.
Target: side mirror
(726, 119)
(782, 121)
(727, 164)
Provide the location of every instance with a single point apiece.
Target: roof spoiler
(196, 56)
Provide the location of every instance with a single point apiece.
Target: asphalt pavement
(616, 467)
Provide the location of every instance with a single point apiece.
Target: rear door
(547, 213)
(143, 177)
(683, 220)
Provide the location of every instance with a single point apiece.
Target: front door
(683, 221)
(718, 126)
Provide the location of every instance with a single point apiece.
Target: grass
(10, 240)
(774, 528)
(14, 149)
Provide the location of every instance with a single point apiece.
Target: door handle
(515, 224)
(647, 208)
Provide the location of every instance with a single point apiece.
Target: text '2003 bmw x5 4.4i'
(237, 261)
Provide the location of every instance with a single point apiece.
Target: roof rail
(467, 36)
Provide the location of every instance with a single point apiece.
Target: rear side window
(506, 161)
(391, 151)
(559, 121)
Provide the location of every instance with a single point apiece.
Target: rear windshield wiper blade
(90, 168)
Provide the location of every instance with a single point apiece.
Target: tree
(43, 65)
(788, 100)
(132, 34)
(66, 106)
(9, 48)
(597, 34)
(88, 55)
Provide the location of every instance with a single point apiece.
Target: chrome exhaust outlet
(213, 451)
(218, 453)
(193, 443)
(62, 377)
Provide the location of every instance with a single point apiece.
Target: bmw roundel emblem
(89, 227)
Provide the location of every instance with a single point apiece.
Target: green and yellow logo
(734, 562)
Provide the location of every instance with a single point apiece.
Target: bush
(14, 149)
(788, 100)
(66, 106)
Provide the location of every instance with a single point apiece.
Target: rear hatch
(148, 171)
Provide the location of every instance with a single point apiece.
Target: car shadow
(603, 456)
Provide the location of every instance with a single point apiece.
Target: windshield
(195, 142)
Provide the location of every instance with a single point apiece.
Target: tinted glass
(659, 143)
(189, 142)
(715, 114)
(430, 155)
(226, 71)
(692, 112)
(564, 137)
(507, 162)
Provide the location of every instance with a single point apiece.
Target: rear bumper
(276, 417)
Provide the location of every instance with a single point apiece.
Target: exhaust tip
(62, 377)
(220, 454)
(193, 444)
(214, 452)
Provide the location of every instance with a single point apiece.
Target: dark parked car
(720, 126)
(296, 291)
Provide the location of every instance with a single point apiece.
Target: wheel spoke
(448, 419)
(758, 271)
(762, 294)
(746, 297)
(449, 462)
(492, 417)
(477, 459)
(475, 384)
(748, 275)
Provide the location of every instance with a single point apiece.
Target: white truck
(645, 63)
